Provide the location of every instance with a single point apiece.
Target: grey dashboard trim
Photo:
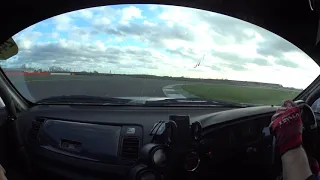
(49, 148)
(225, 116)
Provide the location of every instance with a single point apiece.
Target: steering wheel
(309, 133)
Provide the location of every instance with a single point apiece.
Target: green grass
(240, 94)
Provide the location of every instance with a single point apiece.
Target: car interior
(61, 141)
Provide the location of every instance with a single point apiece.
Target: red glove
(286, 124)
(314, 165)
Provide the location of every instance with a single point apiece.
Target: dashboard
(98, 142)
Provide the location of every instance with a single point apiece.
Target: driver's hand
(286, 124)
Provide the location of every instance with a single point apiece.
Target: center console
(170, 147)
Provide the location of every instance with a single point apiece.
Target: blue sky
(162, 40)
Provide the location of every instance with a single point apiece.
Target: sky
(163, 40)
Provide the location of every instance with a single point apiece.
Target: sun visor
(8, 49)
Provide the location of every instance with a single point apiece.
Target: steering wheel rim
(309, 133)
(309, 123)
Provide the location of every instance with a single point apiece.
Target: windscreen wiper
(197, 102)
(83, 99)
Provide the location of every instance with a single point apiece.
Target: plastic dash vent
(130, 147)
(36, 124)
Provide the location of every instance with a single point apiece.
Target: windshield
(143, 51)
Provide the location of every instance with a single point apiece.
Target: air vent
(192, 161)
(36, 124)
(130, 147)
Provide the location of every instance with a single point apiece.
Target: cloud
(235, 58)
(101, 21)
(80, 33)
(152, 7)
(215, 68)
(62, 22)
(237, 30)
(85, 13)
(275, 47)
(185, 53)
(231, 57)
(131, 12)
(261, 62)
(152, 34)
(55, 35)
(70, 54)
(26, 38)
(236, 67)
(104, 13)
(286, 63)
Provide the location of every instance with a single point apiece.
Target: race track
(112, 86)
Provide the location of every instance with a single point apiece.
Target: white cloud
(148, 23)
(101, 21)
(62, 22)
(55, 35)
(79, 34)
(85, 13)
(100, 45)
(152, 7)
(25, 44)
(26, 38)
(131, 12)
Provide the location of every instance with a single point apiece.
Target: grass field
(240, 93)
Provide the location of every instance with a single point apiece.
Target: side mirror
(8, 49)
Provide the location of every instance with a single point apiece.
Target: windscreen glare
(139, 51)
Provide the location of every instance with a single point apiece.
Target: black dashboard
(98, 142)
